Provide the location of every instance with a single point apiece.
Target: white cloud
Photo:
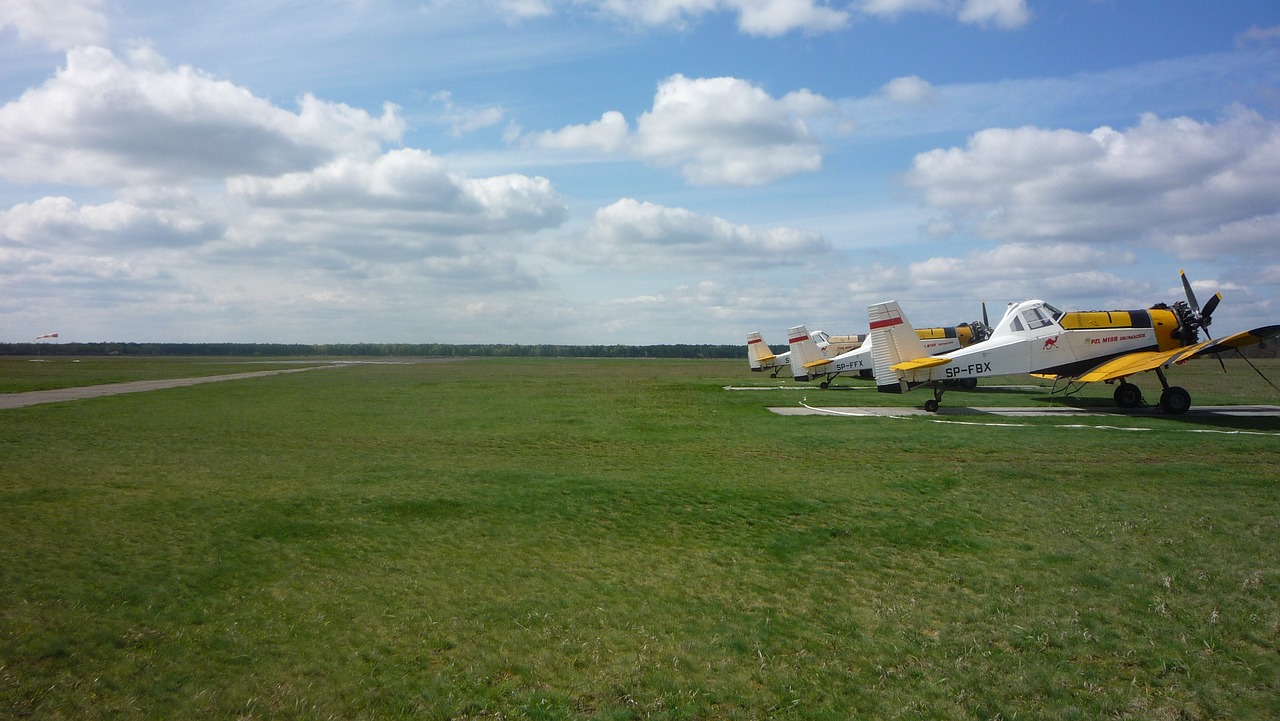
(756, 17)
(725, 131)
(634, 234)
(1256, 34)
(910, 90)
(1158, 180)
(462, 120)
(1008, 14)
(719, 131)
(53, 221)
(424, 194)
(609, 134)
(105, 121)
(59, 25)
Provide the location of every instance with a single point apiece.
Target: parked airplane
(808, 363)
(1085, 347)
(761, 357)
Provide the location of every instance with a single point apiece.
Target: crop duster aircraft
(761, 357)
(807, 362)
(1037, 338)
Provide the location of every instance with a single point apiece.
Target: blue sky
(626, 171)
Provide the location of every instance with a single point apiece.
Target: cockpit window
(1036, 318)
(1057, 314)
(1016, 324)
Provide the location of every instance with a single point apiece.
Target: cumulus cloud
(609, 134)
(718, 131)
(1162, 179)
(59, 25)
(427, 195)
(756, 17)
(51, 221)
(770, 18)
(103, 120)
(1008, 14)
(631, 233)
(910, 90)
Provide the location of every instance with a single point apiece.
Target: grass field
(581, 539)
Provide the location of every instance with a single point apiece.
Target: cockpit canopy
(1029, 315)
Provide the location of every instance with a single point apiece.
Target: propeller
(1194, 317)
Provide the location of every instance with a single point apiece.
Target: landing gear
(932, 405)
(1128, 395)
(1175, 400)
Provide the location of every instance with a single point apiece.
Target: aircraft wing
(1130, 363)
(928, 361)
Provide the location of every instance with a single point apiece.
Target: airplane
(761, 357)
(1079, 347)
(809, 363)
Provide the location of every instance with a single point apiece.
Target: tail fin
(759, 354)
(893, 341)
(805, 354)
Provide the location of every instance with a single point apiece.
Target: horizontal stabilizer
(918, 363)
(817, 363)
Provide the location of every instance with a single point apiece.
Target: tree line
(377, 350)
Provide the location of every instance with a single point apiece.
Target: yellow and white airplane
(1079, 347)
(761, 357)
(807, 362)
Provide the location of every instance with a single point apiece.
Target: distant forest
(376, 350)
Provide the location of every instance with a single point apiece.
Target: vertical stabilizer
(759, 355)
(893, 340)
(804, 351)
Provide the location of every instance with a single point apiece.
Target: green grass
(577, 539)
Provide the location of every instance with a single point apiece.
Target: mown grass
(569, 539)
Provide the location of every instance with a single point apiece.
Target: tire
(1128, 395)
(1175, 401)
(931, 406)
(968, 384)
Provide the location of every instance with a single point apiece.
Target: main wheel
(931, 405)
(1175, 400)
(1128, 395)
(968, 384)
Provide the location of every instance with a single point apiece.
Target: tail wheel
(1128, 395)
(1175, 400)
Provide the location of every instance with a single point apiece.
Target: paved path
(1260, 411)
(31, 398)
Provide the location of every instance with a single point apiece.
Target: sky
(626, 171)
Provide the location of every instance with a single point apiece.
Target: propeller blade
(985, 320)
(1191, 296)
(1208, 307)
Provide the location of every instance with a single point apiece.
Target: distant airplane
(1079, 347)
(761, 357)
(807, 363)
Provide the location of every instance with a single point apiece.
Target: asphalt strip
(57, 395)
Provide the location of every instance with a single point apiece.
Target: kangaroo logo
(1050, 343)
